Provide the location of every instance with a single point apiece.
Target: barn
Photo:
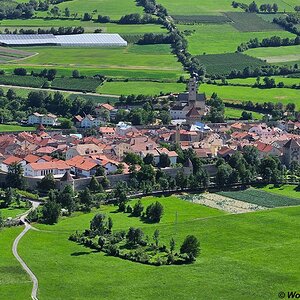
(74, 40)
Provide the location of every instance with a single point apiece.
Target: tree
(156, 237)
(154, 212)
(47, 183)
(110, 223)
(275, 8)
(98, 224)
(132, 158)
(87, 17)
(67, 12)
(50, 212)
(253, 8)
(149, 159)
(191, 247)
(172, 245)
(11, 94)
(94, 185)
(1, 220)
(9, 197)
(164, 160)
(164, 183)
(75, 74)
(86, 197)
(134, 236)
(14, 177)
(138, 209)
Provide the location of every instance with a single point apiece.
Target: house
(266, 149)
(57, 168)
(107, 131)
(83, 166)
(48, 119)
(104, 107)
(10, 160)
(77, 120)
(157, 152)
(83, 150)
(88, 122)
(123, 128)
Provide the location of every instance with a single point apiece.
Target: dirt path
(33, 278)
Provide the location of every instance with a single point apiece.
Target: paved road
(17, 256)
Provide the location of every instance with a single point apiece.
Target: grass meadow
(240, 94)
(235, 113)
(239, 257)
(14, 283)
(217, 39)
(277, 54)
(284, 190)
(140, 87)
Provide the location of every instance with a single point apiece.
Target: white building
(83, 150)
(49, 119)
(123, 128)
(57, 168)
(88, 122)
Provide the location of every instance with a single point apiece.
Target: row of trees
(138, 19)
(56, 31)
(288, 23)
(253, 7)
(274, 41)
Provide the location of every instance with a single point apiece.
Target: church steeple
(193, 88)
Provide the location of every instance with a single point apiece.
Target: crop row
(76, 84)
(29, 81)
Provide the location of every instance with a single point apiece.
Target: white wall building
(49, 119)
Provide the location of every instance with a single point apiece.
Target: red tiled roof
(30, 158)
(52, 165)
(12, 159)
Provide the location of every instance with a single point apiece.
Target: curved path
(17, 256)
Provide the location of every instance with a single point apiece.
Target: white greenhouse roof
(94, 40)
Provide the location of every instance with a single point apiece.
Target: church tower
(193, 88)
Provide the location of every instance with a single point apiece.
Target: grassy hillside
(239, 257)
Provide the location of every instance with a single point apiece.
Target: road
(18, 257)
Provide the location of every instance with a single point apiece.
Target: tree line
(52, 30)
(253, 7)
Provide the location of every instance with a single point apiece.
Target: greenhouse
(74, 40)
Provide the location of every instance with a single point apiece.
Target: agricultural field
(76, 84)
(249, 22)
(28, 81)
(224, 63)
(194, 19)
(250, 244)
(235, 113)
(240, 94)
(95, 98)
(8, 54)
(217, 39)
(194, 7)
(136, 87)
(134, 58)
(277, 55)
(112, 8)
(262, 198)
(288, 82)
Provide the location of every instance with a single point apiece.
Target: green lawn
(277, 54)
(217, 39)
(14, 282)
(12, 212)
(284, 190)
(235, 113)
(240, 94)
(140, 87)
(239, 257)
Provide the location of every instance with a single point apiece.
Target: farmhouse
(76, 40)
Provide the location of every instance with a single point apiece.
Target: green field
(7, 128)
(262, 198)
(193, 7)
(136, 87)
(235, 113)
(14, 283)
(240, 94)
(132, 60)
(277, 54)
(250, 81)
(284, 190)
(113, 8)
(216, 39)
(239, 257)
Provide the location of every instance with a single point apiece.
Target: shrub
(154, 212)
